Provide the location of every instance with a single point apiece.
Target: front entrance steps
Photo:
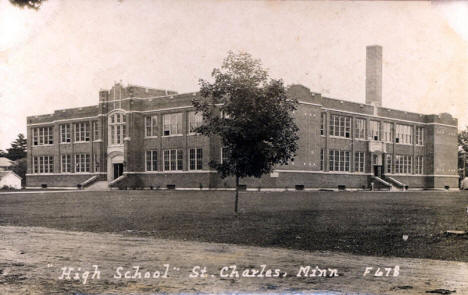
(378, 183)
(98, 186)
(398, 184)
(389, 184)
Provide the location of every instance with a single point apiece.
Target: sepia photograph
(233, 147)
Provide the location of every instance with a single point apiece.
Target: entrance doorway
(118, 170)
(378, 170)
(377, 164)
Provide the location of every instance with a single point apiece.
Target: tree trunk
(237, 195)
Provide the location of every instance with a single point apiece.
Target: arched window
(117, 128)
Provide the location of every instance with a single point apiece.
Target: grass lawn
(355, 222)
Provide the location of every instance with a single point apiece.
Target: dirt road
(32, 258)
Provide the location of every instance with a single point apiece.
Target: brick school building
(139, 137)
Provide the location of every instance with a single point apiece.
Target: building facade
(138, 137)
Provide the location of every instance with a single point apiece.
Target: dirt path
(31, 259)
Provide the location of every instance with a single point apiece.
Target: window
(388, 163)
(36, 164)
(419, 165)
(409, 164)
(43, 135)
(387, 132)
(403, 164)
(95, 130)
(35, 139)
(43, 164)
(196, 159)
(117, 128)
(82, 132)
(397, 164)
(359, 160)
(66, 164)
(419, 135)
(323, 120)
(82, 163)
(195, 120)
(151, 160)
(172, 124)
(375, 130)
(151, 126)
(50, 135)
(340, 126)
(35, 136)
(65, 133)
(360, 128)
(173, 160)
(224, 155)
(338, 160)
(404, 134)
(322, 162)
(96, 162)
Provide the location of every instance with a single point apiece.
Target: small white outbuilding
(5, 164)
(10, 179)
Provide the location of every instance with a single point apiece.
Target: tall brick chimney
(374, 75)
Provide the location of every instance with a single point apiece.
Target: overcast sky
(60, 56)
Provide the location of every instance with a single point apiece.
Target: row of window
(404, 164)
(340, 126)
(81, 130)
(43, 135)
(172, 161)
(172, 124)
(45, 164)
(82, 163)
(339, 160)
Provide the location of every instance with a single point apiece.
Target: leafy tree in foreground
(462, 147)
(463, 139)
(251, 115)
(17, 149)
(34, 4)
